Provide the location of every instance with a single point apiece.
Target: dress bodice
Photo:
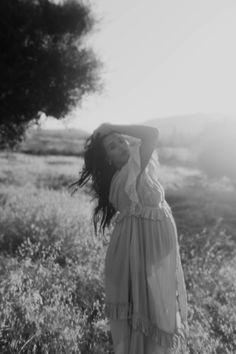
(135, 193)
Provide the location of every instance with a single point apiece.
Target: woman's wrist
(137, 131)
(143, 132)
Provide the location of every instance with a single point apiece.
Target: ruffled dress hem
(175, 341)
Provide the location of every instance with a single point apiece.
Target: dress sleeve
(134, 170)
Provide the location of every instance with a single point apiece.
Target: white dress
(146, 301)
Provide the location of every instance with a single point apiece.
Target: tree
(44, 66)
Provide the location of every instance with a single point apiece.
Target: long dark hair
(97, 175)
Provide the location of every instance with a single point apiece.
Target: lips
(125, 152)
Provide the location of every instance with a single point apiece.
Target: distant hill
(201, 141)
(53, 141)
(204, 141)
(193, 126)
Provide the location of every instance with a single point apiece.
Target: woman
(144, 284)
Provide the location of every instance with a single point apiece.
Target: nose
(123, 150)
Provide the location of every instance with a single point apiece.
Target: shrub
(52, 297)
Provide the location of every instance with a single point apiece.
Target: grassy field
(53, 142)
(52, 285)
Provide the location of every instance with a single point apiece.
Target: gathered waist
(158, 212)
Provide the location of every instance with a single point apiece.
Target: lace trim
(173, 341)
(154, 213)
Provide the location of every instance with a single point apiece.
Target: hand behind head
(103, 130)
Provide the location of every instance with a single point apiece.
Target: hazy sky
(161, 58)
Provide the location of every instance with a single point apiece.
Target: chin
(126, 159)
(120, 164)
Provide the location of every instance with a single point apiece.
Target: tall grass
(52, 265)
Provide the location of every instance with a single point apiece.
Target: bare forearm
(142, 132)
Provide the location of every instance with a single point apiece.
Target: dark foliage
(43, 65)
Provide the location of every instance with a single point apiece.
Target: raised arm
(148, 136)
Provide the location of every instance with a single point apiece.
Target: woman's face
(117, 149)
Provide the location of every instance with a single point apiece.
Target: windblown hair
(97, 174)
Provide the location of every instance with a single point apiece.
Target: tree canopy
(44, 65)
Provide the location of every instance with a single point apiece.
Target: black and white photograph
(118, 177)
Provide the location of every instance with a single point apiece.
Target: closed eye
(112, 146)
(121, 141)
